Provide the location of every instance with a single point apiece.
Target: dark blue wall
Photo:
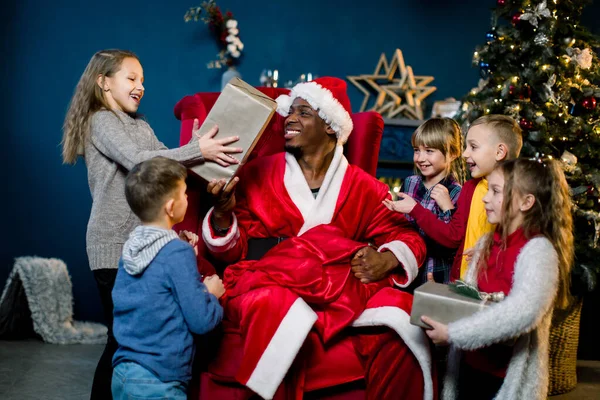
(46, 46)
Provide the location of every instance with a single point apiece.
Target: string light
(551, 138)
(499, 86)
(512, 46)
(545, 67)
(515, 79)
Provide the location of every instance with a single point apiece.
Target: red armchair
(362, 149)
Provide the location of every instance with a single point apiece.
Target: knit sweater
(524, 315)
(115, 144)
(160, 304)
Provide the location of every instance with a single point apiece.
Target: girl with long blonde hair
(436, 185)
(528, 259)
(102, 125)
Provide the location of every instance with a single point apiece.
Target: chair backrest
(362, 149)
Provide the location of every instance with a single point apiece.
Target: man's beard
(296, 151)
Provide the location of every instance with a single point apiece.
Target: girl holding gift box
(528, 257)
(440, 168)
(102, 126)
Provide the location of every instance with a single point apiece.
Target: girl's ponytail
(560, 228)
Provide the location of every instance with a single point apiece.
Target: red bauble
(525, 92)
(525, 123)
(511, 89)
(501, 2)
(516, 18)
(589, 103)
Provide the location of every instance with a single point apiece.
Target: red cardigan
(450, 234)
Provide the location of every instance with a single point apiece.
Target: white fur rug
(48, 289)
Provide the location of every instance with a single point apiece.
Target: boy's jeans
(131, 380)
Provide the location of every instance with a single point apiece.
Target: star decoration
(368, 84)
(415, 91)
(398, 91)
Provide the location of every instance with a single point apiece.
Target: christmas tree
(538, 65)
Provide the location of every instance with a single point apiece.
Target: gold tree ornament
(398, 92)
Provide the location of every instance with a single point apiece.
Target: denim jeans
(132, 381)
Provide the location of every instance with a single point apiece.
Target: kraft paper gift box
(240, 110)
(442, 304)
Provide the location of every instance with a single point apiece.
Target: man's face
(304, 129)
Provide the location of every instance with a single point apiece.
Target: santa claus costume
(305, 322)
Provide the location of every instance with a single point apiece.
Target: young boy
(490, 139)
(159, 298)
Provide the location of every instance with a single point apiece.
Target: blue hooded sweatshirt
(159, 303)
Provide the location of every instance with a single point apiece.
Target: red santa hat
(329, 97)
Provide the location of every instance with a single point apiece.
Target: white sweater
(525, 315)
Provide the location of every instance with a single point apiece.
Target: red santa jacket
(274, 200)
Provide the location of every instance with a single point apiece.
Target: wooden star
(415, 91)
(368, 84)
(397, 90)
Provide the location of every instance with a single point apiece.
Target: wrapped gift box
(241, 110)
(442, 304)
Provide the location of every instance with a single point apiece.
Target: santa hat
(329, 97)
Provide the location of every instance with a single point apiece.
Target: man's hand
(214, 284)
(404, 204)
(191, 238)
(439, 333)
(224, 200)
(369, 265)
(216, 150)
(441, 196)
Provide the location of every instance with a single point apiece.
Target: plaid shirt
(439, 259)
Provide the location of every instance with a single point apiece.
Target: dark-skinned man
(315, 257)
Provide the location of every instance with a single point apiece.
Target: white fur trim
(320, 210)
(406, 257)
(322, 100)
(219, 244)
(414, 337)
(282, 349)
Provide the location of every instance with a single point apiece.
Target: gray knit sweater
(115, 144)
(525, 315)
